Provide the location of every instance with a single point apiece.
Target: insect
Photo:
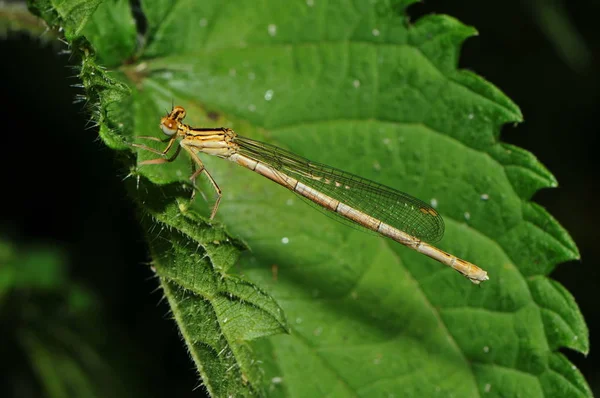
(378, 208)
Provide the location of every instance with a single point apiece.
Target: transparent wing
(393, 207)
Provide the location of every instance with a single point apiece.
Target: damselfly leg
(196, 162)
(201, 169)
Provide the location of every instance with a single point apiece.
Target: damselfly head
(170, 123)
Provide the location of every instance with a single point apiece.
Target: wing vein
(395, 208)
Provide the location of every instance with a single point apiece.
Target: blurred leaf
(14, 17)
(352, 85)
(58, 371)
(554, 21)
(47, 328)
(39, 268)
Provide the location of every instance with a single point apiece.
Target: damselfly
(381, 209)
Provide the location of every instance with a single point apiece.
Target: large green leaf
(351, 84)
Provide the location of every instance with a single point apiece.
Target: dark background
(543, 54)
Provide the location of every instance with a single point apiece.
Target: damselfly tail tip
(478, 277)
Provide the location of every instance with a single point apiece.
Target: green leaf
(70, 16)
(353, 85)
(217, 313)
(112, 30)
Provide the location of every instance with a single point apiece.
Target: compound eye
(178, 113)
(168, 126)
